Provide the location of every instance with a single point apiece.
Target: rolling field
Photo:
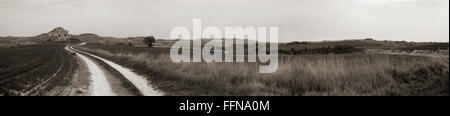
(35, 70)
(47, 69)
(301, 75)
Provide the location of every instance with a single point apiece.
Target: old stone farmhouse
(57, 34)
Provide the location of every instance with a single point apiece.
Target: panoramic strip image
(213, 48)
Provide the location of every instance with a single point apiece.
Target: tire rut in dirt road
(138, 81)
(120, 85)
(100, 85)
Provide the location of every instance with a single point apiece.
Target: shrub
(130, 44)
(149, 41)
(338, 49)
(120, 44)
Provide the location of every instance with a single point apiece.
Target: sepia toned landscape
(33, 66)
(125, 48)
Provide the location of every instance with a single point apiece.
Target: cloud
(298, 20)
(387, 1)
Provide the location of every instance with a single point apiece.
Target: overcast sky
(298, 20)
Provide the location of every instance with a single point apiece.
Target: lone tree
(150, 40)
(130, 44)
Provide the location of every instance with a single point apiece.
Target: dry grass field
(358, 74)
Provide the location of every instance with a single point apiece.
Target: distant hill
(94, 38)
(22, 40)
(290, 47)
(358, 46)
(366, 44)
(431, 47)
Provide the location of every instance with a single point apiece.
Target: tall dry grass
(307, 75)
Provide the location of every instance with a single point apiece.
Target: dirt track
(109, 79)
